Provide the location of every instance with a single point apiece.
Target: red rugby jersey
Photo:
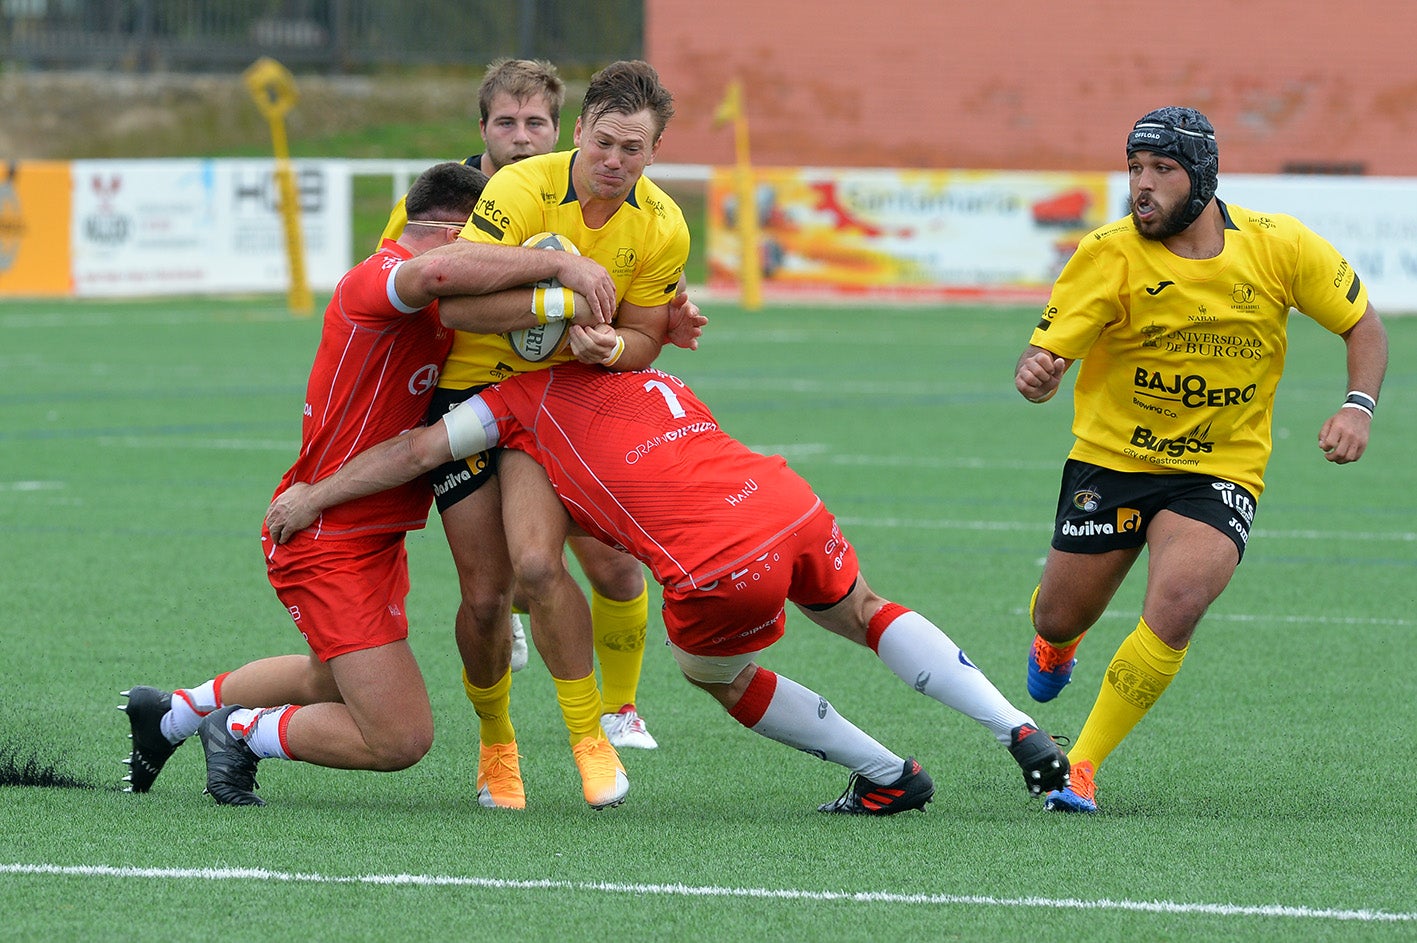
(641, 464)
(374, 371)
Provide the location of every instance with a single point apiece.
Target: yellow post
(273, 88)
(750, 264)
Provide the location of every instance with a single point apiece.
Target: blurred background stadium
(1006, 85)
(985, 101)
(955, 91)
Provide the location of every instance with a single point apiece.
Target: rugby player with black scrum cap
(1176, 315)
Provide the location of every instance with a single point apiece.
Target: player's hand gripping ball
(542, 341)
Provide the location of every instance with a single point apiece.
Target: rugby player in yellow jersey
(1177, 317)
(520, 102)
(598, 198)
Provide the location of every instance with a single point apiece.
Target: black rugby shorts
(1100, 509)
(455, 480)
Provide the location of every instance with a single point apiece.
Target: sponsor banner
(1372, 221)
(901, 234)
(34, 228)
(180, 226)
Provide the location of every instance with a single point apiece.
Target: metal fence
(333, 36)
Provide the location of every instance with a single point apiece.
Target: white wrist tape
(553, 304)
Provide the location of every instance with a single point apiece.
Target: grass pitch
(1267, 795)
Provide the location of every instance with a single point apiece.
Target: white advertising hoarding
(203, 226)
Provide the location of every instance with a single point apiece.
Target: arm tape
(553, 304)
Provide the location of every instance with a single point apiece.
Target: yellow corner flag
(731, 106)
(750, 266)
(273, 88)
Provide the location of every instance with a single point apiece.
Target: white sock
(263, 730)
(804, 719)
(926, 659)
(189, 706)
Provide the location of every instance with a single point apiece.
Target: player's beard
(1163, 225)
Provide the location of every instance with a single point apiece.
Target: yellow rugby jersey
(644, 247)
(1179, 358)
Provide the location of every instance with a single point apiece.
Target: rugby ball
(540, 342)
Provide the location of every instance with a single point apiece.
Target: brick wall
(1039, 84)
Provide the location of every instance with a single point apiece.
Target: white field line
(256, 313)
(31, 485)
(1292, 911)
(1267, 617)
(893, 523)
(817, 450)
(885, 523)
(290, 446)
(822, 452)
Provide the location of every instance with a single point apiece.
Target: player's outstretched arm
(477, 268)
(461, 433)
(1038, 374)
(1344, 435)
(509, 310)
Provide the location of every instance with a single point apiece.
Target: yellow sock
(494, 709)
(619, 646)
(580, 707)
(1140, 671)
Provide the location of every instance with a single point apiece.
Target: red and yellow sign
(905, 234)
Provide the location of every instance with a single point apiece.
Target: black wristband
(1361, 400)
